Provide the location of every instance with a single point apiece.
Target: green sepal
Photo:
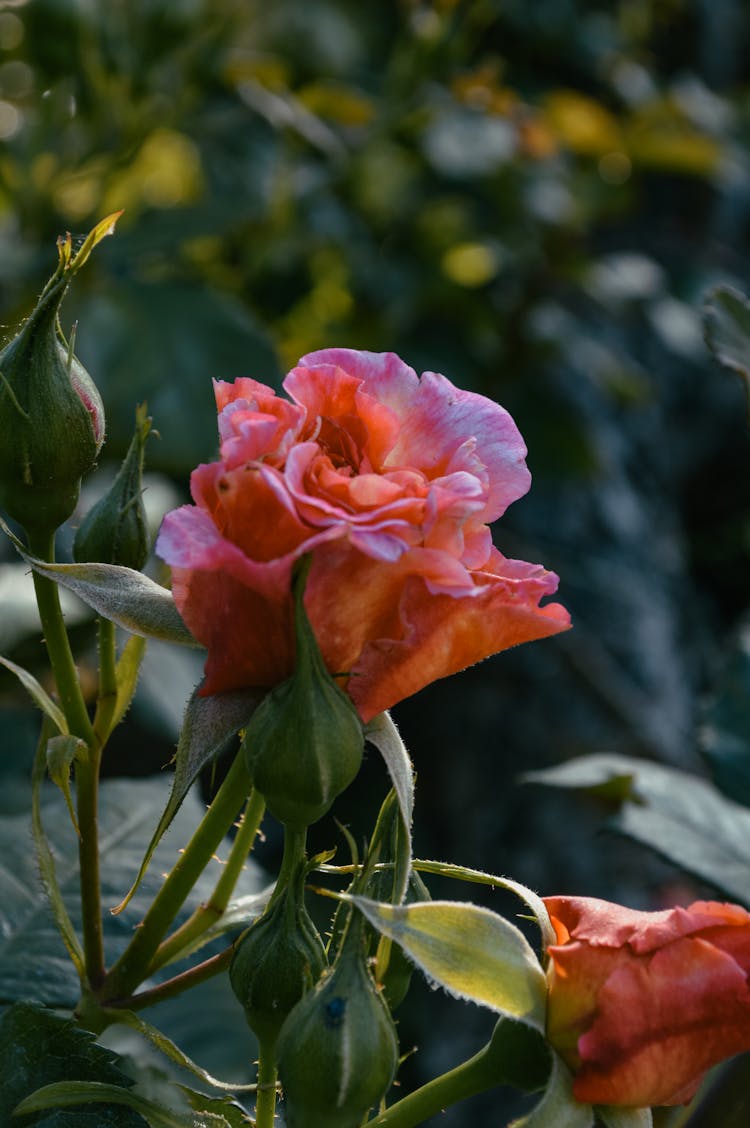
(304, 743)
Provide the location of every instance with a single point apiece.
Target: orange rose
(389, 482)
(642, 1004)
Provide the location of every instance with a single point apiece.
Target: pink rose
(389, 481)
(642, 1004)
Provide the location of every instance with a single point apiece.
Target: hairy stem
(107, 700)
(212, 909)
(132, 966)
(177, 984)
(87, 768)
(265, 1106)
(471, 1077)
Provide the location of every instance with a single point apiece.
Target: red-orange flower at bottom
(642, 1004)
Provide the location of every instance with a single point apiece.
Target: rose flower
(389, 481)
(642, 1004)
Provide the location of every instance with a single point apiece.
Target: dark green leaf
(33, 960)
(132, 336)
(520, 1055)
(682, 817)
(38, 1048)
(88, 1096)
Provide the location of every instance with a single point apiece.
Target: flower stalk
(132, 966)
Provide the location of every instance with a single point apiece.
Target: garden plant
(336, 559)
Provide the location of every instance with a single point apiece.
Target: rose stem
(87, 768)
(131, 968)
(471, 1077)
(210, 911)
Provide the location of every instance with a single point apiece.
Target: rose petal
(442, 634)
(661, 1023)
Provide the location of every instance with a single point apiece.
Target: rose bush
(642, 1004)
(389, 481)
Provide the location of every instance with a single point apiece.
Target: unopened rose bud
(304, 742)
(277, 961)
(115, 530)
(51, 414)
(337, 1049)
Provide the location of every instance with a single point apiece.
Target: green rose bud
(277, 961)
(51, 414)
(337, 1049)
(304, 742)
(115, 530)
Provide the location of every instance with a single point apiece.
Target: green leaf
(167, 1047)
(520, 1055)
(471, 952)
(62, 751)
(64, 1094)
(558, 1108)
(38, 694)
(682, 817)
(128, 598)
(128, 668)
(210, 722)
(531, 899)
(46, 861)
(37, 1048)
(613, 1117)
(382, 732)
(234, 1114)
(33, 960)
(726, 318)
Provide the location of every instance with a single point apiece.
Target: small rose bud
(337, 1049)
(51, 414)
(304, 742)
(115, 530)
(277, 961)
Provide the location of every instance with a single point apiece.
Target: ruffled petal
(441, 635)
(661, 1023)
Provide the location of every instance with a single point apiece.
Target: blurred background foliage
(532, 198)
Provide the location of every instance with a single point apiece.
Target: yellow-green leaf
(61, 752)
(471, 952)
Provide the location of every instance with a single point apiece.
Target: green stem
(294, 852)
(107, 701)
(178, 983)
(471, 1077)
(265, 1105)
(131, 967)
(87, 769)
(212, 909)
(58, 644)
